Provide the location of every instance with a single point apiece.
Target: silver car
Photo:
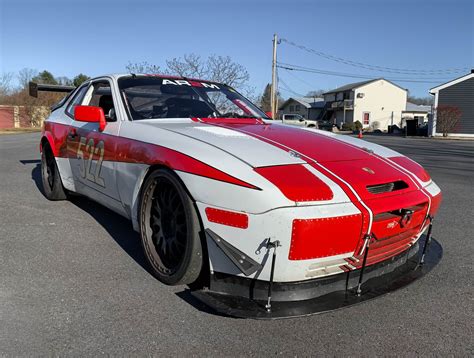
(299, 120)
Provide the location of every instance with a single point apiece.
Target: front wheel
(170, 229)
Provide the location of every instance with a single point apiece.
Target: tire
(52, 185)
(170, 229)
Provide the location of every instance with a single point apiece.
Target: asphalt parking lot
(73, 280)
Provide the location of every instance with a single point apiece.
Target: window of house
(292, 108)
(297, 108)
(366, 118)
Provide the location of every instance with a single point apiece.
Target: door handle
(72, 134)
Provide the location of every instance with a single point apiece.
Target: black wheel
(52, 184)
(170, 229)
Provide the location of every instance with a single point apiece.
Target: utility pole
(274, 96)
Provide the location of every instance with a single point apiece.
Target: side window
(76, 100)
(100, 95)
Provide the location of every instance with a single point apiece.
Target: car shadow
(118, 227)
(35, 174)
(121, 231)
(187, 296)
(30, 161)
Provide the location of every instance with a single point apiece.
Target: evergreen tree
(265, 100)
(46, 78)
(79, 79)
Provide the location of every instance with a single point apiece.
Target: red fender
(56, 134)
(50, 139)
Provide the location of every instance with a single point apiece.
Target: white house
(457, 93)
(375, 103)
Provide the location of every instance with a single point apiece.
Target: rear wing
(34, 88)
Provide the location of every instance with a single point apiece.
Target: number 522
(86, 164)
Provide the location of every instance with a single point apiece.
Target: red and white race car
(270, 220)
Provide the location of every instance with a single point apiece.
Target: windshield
(149, 97)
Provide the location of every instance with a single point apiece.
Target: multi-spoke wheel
(169, 229)
(52, 185)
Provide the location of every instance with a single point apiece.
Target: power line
(310, 85)
(288, 89)
(375, 67)
(290, 67)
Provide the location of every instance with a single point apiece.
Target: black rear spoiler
(34, 88)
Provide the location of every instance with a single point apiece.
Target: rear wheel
(170, 229)
(52, 185)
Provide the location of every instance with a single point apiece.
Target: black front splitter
(241, 307)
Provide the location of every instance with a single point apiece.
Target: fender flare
(138, 189)
(49, 137)
(136, 198)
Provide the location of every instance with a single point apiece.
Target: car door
(91, 151)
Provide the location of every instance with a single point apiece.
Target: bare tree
(214, 68)
(64, 81)
(447, 118)
(35, 109)
(190, 65)
(142, 67)
(425, 101)
(315, 93)
(26, 75)
(5, 84)
(224, 70)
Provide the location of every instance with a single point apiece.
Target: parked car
(299, 120)
(326, 125)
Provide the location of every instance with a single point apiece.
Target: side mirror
(301, 119)
(90, 114)
(269, 114)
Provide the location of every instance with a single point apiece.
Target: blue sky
(97, 37)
